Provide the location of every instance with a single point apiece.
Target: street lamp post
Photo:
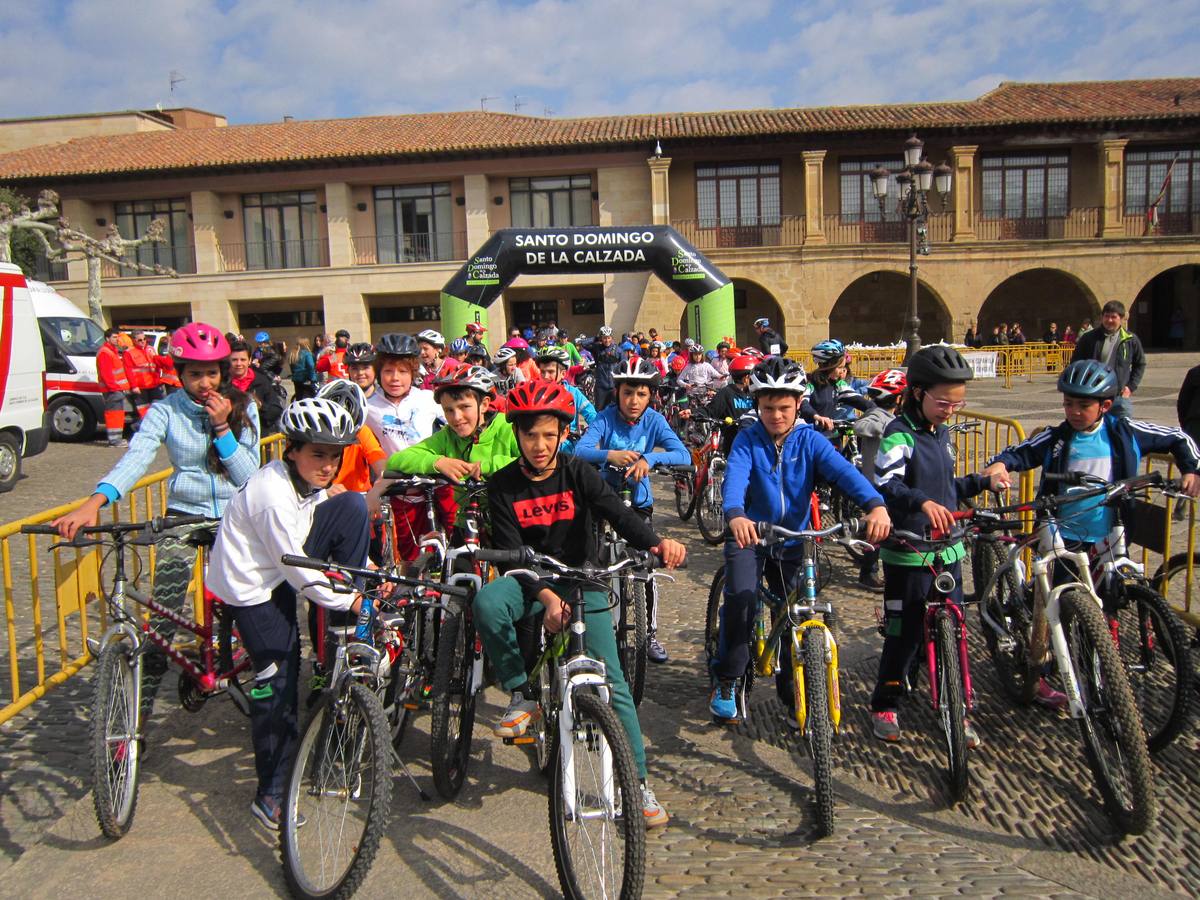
(916, 179)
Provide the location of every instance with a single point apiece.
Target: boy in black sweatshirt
(546, 501)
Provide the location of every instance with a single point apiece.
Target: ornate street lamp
(916, 180)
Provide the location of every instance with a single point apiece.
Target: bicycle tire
(632, 634)
(818, 731)
(343, 757)
(403, 682)
(622, 843)
(712, 623)
(1109, 714)
(685, 496)
(1155, 648)
(952, 709)
(545, 729)
(710, 515)
(1006, 604)
(453, 703)
(115, 746)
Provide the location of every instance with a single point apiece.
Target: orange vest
(166, 371)
(140, 367)
(110, 369)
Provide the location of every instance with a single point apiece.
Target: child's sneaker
(1048, 697)
(653, 811)
(521, 713)
(973, 739)
(655, 651)
(886, 726)
(723, 701)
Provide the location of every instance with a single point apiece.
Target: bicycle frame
(933, 605)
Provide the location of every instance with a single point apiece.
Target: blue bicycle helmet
(459, 345)
(1088, 378)
(627, 346)
(828, 352)
(262, 336)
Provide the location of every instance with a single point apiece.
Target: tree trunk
(95, 307)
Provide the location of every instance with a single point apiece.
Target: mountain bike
(115, 739)
(596, 827)
(337, 801)
(1066, 622)
(799, 641)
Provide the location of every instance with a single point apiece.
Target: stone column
(344, 307)
(1112, 188)
(814, 196)
(963, 189)
(81, 217)
(213, 309)
(660, 189)
(206, 218)
(338, 204)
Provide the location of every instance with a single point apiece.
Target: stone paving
(740, 799)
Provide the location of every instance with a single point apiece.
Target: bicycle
(338, 795)
(115, 738)
(597, 831)
(1023, 628)
(944, 639)
(796, 638)
(702, 493)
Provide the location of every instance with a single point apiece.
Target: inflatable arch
(599, 249)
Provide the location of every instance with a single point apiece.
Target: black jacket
(1188, 402)
(769, 339)
(1129, 362)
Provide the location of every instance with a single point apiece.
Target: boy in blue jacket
(769, 477)
(914, 470)
(554, 362)
(627, 434)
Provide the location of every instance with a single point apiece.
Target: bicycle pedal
(523, 739)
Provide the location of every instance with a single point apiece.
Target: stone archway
(1035, 298)
(873, 309)
(750, 301)
(1166, 312)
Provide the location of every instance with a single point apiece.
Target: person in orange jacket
(142, 371)
(112, 371)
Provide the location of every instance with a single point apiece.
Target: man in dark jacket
(606, 357)
(769, 341)
(1118, 349)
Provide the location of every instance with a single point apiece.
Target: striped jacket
(181, 425)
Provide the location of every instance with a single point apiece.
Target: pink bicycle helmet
(517, 344)
(197, 342)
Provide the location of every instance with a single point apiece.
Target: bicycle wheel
(712, 632)
(843, 510)
(1113, 738)
(1005, 604)
(710, 515)
(545, 729)
(596, 825)
(1155, 649)
(631, 636)
(115, 740)
(685, 496)
(952, 709)
(453, 702)
(402, 693)
(341, 784)
(818, 731)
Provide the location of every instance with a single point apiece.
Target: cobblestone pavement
(740, 799)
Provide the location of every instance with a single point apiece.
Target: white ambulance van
(24, 428)
(70, 341)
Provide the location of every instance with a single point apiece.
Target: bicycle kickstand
(397, 762)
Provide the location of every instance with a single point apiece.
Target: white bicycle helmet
(349, 396)
(504, 354)
(477, 378)
(779, 374)
(430, 336)
(318, 421)
(605, 331)
(555, 355)
(636, 370)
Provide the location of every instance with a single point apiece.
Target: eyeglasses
(947, 405)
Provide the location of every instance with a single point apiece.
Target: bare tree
(60, 239)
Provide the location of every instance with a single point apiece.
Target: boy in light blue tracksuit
(769, 477)
(626, 434)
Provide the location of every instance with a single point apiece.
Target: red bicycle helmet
(197, 342)
(888, 383)
(539, 398)
(742, 365)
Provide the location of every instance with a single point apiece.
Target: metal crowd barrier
(973, 449)
(1168, 546)
(75, 577)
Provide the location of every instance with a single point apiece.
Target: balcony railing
(713, 234)
(1082, 222)
(1168, 224)
(45, 270)
(181, 258)
(308, 254)
(852, 230)
(390, 249)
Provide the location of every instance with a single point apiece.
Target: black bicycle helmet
(938, 364)
(398, 344)
(1088, 378)
(359, 354)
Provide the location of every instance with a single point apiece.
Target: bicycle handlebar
(524, 557)
(849, 530)
(320, 565)
(157, 524)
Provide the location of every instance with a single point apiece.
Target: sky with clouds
(260, 60)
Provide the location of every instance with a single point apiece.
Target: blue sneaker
(723, 702)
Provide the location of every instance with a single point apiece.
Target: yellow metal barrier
(973, 449)
(76, 575)
(1028, 360)
(1173, 560)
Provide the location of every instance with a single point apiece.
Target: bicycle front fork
(832, 691)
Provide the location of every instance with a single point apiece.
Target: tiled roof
(459, 133)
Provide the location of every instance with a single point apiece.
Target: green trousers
(504, 602)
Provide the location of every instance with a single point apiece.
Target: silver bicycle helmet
(554, 354)
(349, 396)
(318, 420)
(430, 336)
(504, 354)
